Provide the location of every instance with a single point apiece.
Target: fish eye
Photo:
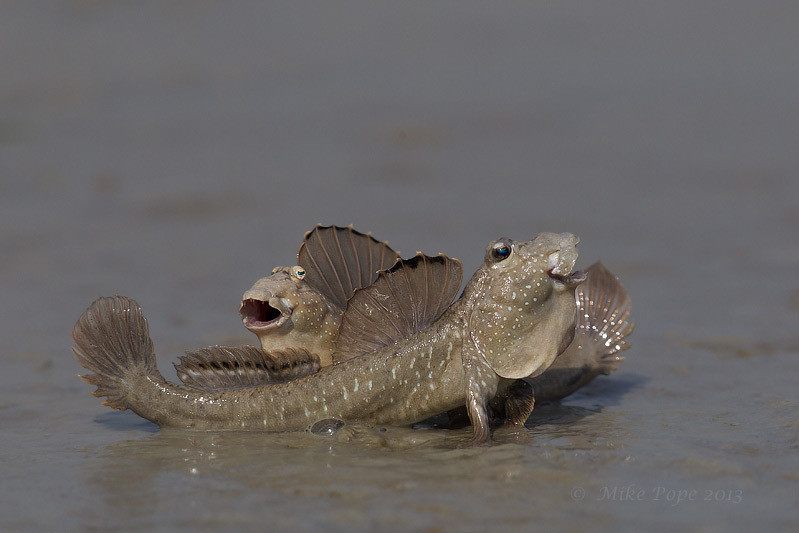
(299, 272)
(500, 251)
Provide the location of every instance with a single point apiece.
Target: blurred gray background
(174, 152)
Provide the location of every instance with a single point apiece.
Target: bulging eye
(500, 251)
(299, 272)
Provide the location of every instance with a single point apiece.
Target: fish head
(285, 304)
(524, 306)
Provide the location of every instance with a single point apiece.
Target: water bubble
(327, 427)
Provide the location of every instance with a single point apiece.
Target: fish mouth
(576, 276)
(561, 263)
(259, 315)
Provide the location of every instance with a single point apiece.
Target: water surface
(174, 153)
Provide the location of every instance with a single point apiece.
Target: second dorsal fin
(224, 367)
(338, 261)
(403, 300)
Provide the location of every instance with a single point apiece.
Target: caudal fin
(112, 340)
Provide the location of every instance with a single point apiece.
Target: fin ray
(403, 300)
(217, 368)
(112, 341)
(338, 260)
(604, 311)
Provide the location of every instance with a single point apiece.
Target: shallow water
(175, 153)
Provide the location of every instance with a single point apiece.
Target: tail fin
(112, 340)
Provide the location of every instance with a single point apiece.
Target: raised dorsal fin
(224, 367)
(338, 261)
(603, 312)
(403, 300)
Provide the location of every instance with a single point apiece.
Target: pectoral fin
(519, 403)
(338, 261)
(222, 367)
(403, 300)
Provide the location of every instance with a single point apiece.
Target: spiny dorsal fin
(405, 299)
(223, 367)
(603, 308)
(338, 261)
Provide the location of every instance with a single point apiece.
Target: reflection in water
(358, 476)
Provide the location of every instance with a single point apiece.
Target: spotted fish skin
(397, 385)
(461, 358)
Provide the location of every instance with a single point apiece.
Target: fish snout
(561, 262)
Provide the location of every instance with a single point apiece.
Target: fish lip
(261, 315)
(577, 276)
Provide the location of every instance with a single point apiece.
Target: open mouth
(577, 275)
(562, 262)
(259, 314)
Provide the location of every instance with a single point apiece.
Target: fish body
(292, 315)
(515, 316)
